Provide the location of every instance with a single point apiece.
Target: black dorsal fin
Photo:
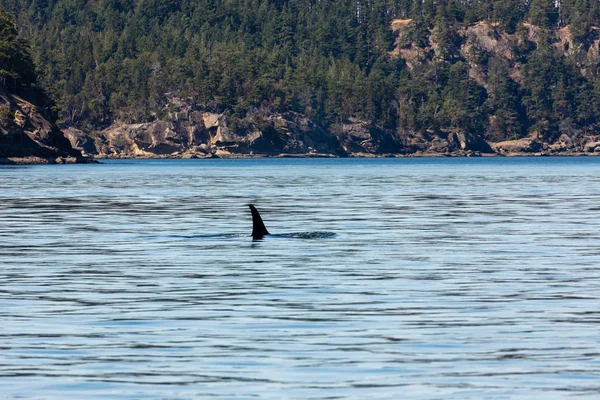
(258, 226)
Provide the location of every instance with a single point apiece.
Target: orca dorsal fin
(258, 226)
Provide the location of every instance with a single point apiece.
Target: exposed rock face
(26, 136)
(563, 144)
(592, 147)
(525, 145)
(140, 139)
(189, 132)
(469, 142)
(489, 38)
(80, 140)
(361, 138)
(444, 143)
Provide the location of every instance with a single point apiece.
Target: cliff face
(26, 136)
(189, 132)
(480, 41)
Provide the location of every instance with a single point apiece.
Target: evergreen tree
(330, 60)
(508, 13)
(17, 71)
(543, 13)
(503, 103)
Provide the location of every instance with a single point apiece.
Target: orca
(259, 231)
(258, 226)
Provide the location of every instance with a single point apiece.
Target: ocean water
(386, 279)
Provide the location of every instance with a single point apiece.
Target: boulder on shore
(360, 137)
(524, 145)
(563, 144)
(469, 143)
(592, 147)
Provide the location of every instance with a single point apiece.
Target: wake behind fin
(258, 226)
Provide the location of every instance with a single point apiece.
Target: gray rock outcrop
(27, 136)
(524, 145)
(188, 132)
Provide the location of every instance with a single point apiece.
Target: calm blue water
(444, 279)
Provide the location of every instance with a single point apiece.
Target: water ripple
(420, 279)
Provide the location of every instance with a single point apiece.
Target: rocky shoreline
(34, 160)
(438, 148)
(414, 155)
(188, 131)
(28, 137)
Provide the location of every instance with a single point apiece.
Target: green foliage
(6, 116)
(329, 60)
(16, 67)
(115, 59)
(504, 103)
(550, 83)
(543, 13)
(508, 13)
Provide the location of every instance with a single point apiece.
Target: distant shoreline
(95, 160)
(362, 155)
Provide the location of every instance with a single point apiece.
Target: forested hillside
(27, 134)
(501, 69)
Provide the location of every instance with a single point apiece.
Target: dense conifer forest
(114, 60)
(17, 70)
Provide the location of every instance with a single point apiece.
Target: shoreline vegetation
(266, 78)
